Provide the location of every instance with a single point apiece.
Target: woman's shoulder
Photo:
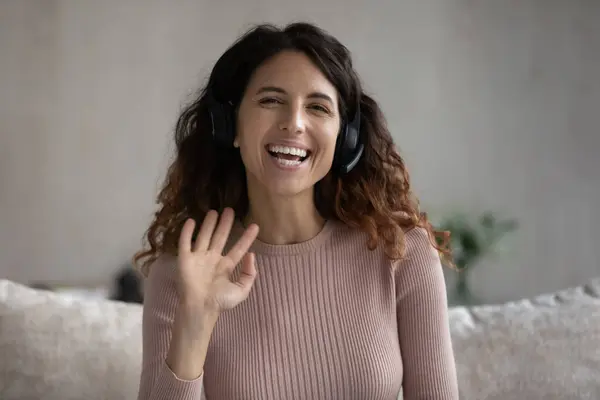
(420, 255)
(416, 239)
(162, 267)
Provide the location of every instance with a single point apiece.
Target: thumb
(248, 271)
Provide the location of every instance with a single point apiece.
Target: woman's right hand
(205, 275)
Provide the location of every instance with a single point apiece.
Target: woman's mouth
(288, 155)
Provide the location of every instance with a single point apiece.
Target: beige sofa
(57, 347)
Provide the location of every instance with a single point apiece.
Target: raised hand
(205, 274)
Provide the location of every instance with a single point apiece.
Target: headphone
(348, 146)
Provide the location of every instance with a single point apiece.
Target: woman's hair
(375, 196)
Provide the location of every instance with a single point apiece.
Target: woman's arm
(173, 351)
(423, 327)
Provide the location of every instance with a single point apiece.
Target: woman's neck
(285, 220)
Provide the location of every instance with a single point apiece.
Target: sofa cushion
(64, 347)
(547, 347)
(59, 347)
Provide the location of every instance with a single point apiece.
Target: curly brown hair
(375, 196)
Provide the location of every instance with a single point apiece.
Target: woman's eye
(320, 108)
(270, 100)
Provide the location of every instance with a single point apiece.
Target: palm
(206, 275)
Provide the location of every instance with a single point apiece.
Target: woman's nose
(293, 120)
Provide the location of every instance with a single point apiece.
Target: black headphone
(348, 147)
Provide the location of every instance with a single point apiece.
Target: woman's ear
(236, 144)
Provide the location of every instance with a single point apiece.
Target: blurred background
(495, 106)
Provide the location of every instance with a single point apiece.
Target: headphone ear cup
(350, 142)
(338, 157)
(349, 148)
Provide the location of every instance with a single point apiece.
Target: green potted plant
(472, 238)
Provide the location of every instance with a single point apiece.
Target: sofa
(59, 347)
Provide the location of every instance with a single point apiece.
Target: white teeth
(288, 150)
(289, 163)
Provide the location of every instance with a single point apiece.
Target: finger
(248, 271)
(243, 244)
(206, 230)
(185, 236)
(221, 234)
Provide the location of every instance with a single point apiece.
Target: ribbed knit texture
(326, 319)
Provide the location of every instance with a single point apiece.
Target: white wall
(495, 105)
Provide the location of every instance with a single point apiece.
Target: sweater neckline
(263, 248)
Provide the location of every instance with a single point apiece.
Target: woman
(288, 259)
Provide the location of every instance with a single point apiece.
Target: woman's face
(287, 125)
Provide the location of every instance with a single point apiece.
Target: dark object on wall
(128, 287)
(40, 286)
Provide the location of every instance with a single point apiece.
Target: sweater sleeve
(157, 381)
(423, 326)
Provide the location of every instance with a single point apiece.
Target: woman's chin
(275, 184)
(287, 188)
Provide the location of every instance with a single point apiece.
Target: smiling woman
(289, 108)
(285, 166)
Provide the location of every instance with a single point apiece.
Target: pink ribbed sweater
(326, 319)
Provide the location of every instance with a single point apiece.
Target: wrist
(196, 315)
